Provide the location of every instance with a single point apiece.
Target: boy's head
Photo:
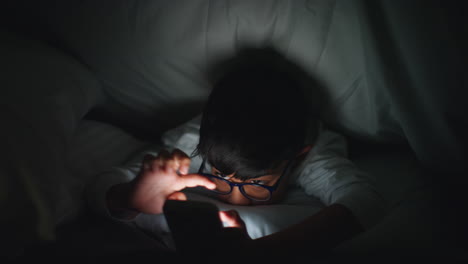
(254, 122)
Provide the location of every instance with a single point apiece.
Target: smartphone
(194, 225)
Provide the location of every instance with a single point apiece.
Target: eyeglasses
(252, 191)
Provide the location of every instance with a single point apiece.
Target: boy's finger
(182, 159)
(169, 166)
(147, 162)
(162, 160)
(163, 156)
(231, 219)
(228, 220)
(193, 180)
(180, 196)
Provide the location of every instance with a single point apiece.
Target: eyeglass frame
(240, 185)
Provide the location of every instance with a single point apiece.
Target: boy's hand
(235, 231)
(160, 178)
(231, 219)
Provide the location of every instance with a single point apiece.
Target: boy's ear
(305, 150)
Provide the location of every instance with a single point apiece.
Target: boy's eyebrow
(260, 176)
(255, 177)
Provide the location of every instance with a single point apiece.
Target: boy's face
(237, 197)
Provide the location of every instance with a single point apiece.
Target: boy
(258, 134)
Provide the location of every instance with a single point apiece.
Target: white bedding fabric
(154, 55)
(325, 173)
(95, 147)
(151, 54)
(379, 61)
(45, 93)
(410, 224)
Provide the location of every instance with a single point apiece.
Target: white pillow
(95, 147)
(149, 54)
(153, 55)
(48, 88)
(45, 93)
(345, 58)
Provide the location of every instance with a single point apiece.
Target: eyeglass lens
(252, 191)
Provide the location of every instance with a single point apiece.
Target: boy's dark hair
(256, 116)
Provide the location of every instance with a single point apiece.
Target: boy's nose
(236, 197)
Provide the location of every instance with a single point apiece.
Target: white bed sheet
(260, 220)
(95, 146)
(98, 146)
(45, 93)
(154, 55)
(409, 225)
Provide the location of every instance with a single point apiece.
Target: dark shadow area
(448, 182)
(30, 18)
(94, 238)
(151, 127)
(143, 126)
(91, 238)
(268, 57)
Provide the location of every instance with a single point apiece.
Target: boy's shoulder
(184, 137)
(328, 140)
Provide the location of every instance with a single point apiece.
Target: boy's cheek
(235, 201)
(278, 196)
